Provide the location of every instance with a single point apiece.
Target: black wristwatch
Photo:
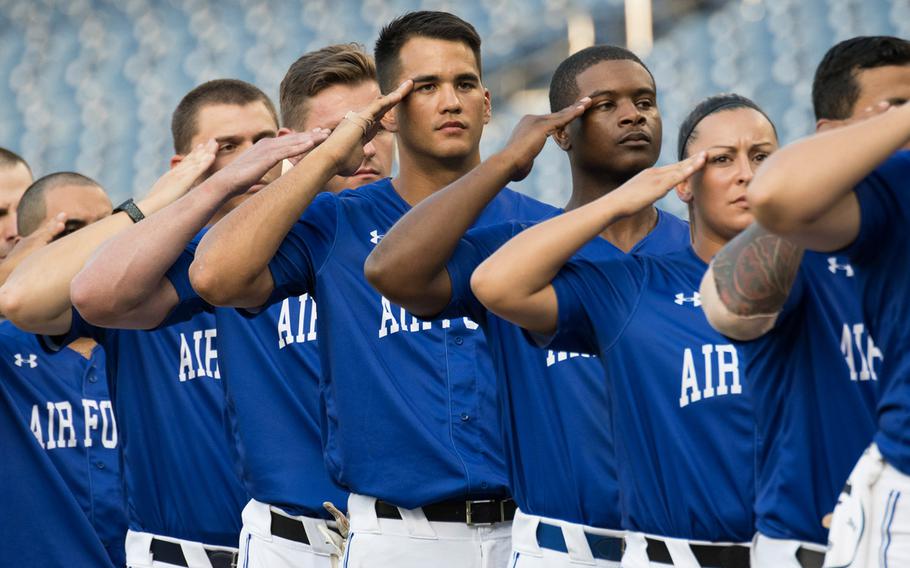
(129, 207)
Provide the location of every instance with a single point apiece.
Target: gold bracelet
(364, 123)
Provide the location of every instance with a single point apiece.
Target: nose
(369, 150)
(630, 114)
(746, 170)
(449, 100)
(8, 232)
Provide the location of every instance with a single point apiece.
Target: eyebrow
(722, 147)
(437, 78)
(612, 93)
(237, 138)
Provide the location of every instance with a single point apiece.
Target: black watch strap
(129, 207)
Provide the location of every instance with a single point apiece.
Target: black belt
(480, 512)
(708, 555)
(809, 558)
(172, 553)
(291, 529)
(602, 547)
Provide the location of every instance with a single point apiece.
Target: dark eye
(761, 157)
(645, 104)
(426, 88)
(722, 159)
(466, 85)
(605, 105)
(227, 147)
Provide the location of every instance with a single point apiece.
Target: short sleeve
(596, 300)
(305, 249)
(79, 328)
(884, 197)
(472, 250)
(189, 303)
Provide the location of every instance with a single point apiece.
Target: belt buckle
(469, 513)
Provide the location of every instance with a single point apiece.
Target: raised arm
(409, 265)
(124, 285)
(36, 297)
(804, 191)
(515, 282)
(748, 282)
(231, 264)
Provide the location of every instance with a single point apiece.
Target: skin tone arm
(804, 192)
(124, 284)
(408, 266)
(36, 297)
(515, 282)
(44, 235)
(231, 264)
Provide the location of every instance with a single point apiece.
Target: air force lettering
(43, 522)
(552, 399)
(63, 398)
(169, 401)
(681, 407)
(880, 482)
(410, 412)
(814, 384)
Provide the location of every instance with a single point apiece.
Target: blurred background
(89, 85)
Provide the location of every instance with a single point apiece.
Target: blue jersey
(63, 398)
(682, 413)
(555, 405)
(41, 521)
(813, 380)
(883, 272)
(409, 407)
(269, 364)
(169, 401)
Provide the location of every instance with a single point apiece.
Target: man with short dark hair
(15, 176)
(175, 518)
(269, 362)
(547, 398)
(815, 361)
(410, 422)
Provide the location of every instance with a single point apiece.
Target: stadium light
(639, 27)
(581, 31)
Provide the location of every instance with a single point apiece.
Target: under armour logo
(681, 299)
(834, 266)
(32, 360)
(375, 237)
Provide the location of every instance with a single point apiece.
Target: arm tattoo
(755, 271)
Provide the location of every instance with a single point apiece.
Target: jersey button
(99, 465)
(483, 485)
(465, 416)
(92, 378)
(458, 340)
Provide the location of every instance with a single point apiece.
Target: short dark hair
(835, 89)
(564, 84)
(342, 64)
(32, 206)
(433, 25)
(219, 91)
(10, 159)
(709, 106)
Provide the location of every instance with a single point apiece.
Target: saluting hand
(531, 133)
(653, 183)
(250, 166)
(345, 146)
